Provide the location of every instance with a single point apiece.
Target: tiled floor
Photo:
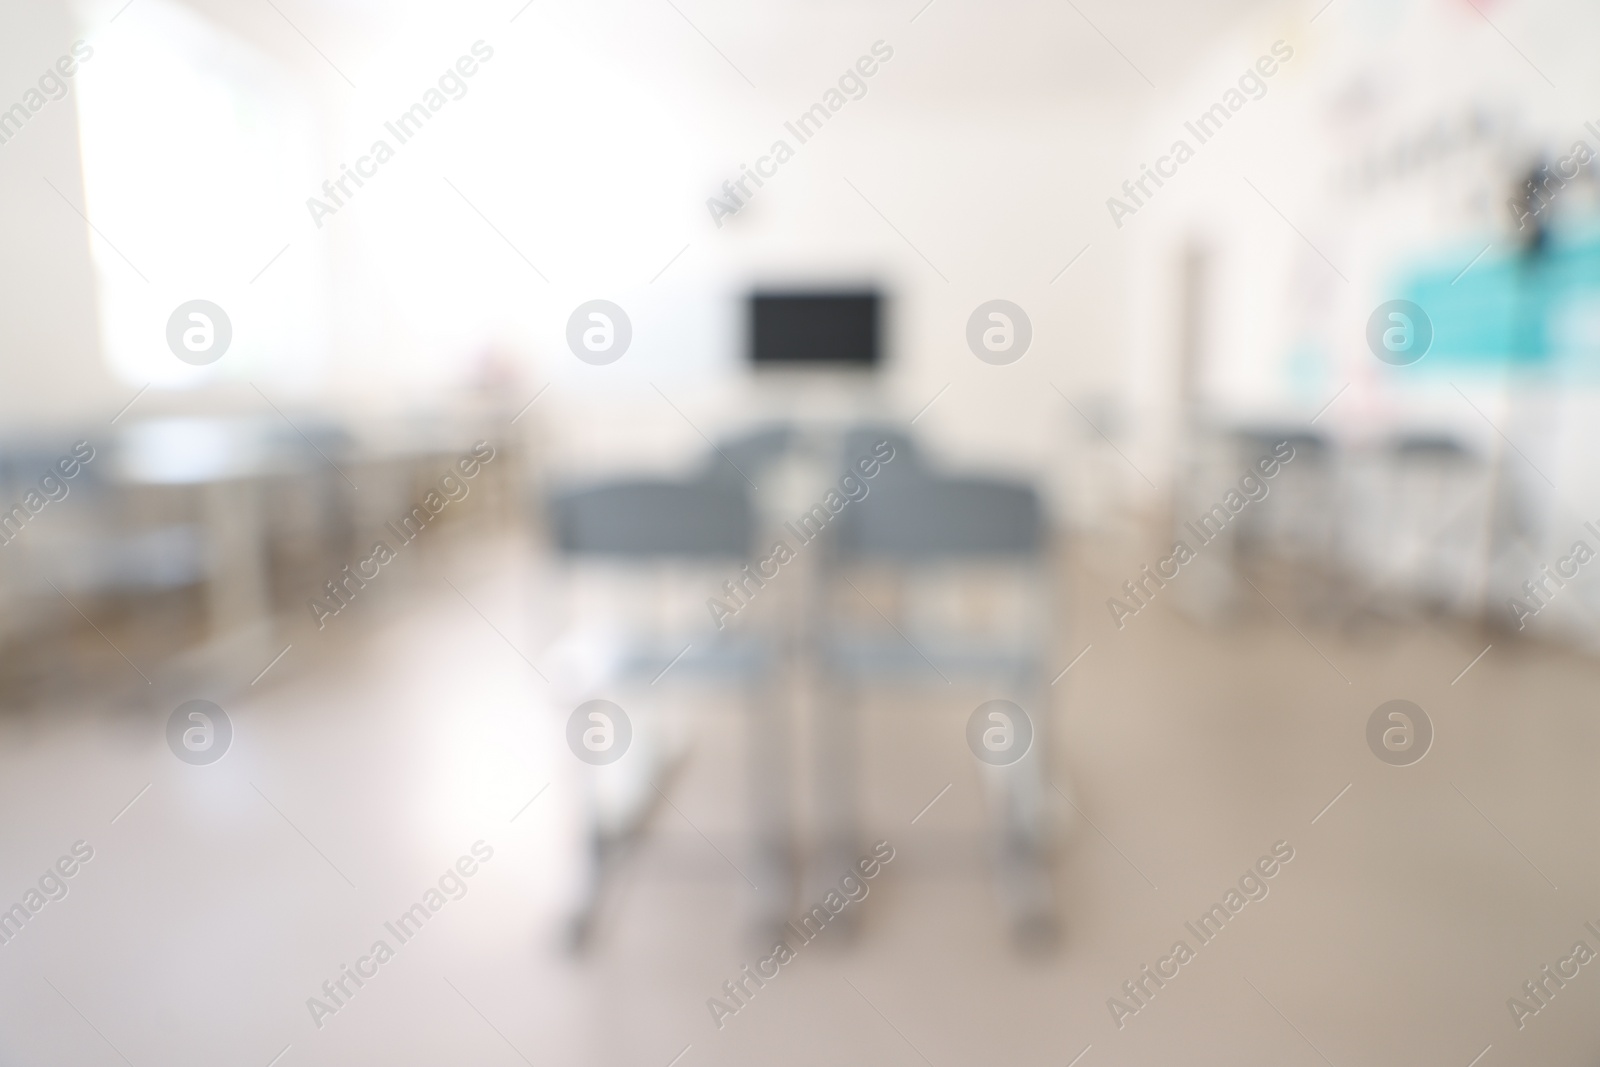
(1414, 906)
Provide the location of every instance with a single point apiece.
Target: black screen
(820, 329)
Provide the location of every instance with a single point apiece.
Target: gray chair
(750, 455)
(916, 527)
(643, 529)
(644, 525)
(1416, 529)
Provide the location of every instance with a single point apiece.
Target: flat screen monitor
(818, 329)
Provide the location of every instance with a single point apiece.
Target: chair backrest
(1434, 448)
(861, 440)
(1310, 447)
(912, 515)
(749, 455)
(644, 519)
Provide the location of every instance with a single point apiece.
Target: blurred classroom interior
(604, 491)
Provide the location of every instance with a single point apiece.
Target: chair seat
(871, 654)
(911, 515)
(721, 658)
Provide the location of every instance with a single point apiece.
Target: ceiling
(1104, 53)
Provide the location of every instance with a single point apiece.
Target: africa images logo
(349, 980)
(1399, 332)
(199, 332)
(999, 332)
(199, 732)
(1210, 122)
(599, 732)
(1252, 886)
(852, 889)
(599, 332)
(999, 732)
(852, 86)
(403, 128)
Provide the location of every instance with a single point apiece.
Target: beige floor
(1413, 908)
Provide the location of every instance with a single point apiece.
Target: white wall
(591, 142)
(1370, 81)
(50, 367)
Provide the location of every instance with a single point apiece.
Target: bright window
(198, 154)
